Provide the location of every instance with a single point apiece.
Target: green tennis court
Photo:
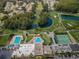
(62, 39)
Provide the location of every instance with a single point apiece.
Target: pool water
(62, 39)
(69, 17)
(38, 40)
(17, 40)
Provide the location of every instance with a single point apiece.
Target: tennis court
(62, 39)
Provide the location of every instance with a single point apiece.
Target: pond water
(45, 25)
(35, 25)
(49, 22)
(69, 17)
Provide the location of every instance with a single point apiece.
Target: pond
(69, 17)
(49, 23)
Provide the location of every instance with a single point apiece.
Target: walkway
(51, 35)
(71, 37)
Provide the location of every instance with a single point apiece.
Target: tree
(43, 19)
(45, 8)
(21, 21)
(67, 6)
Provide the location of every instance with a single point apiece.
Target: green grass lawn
(47, 40)
(45, 37)
(4, 39)
(71, 24)
(8, 31)
(75, 34)
(39, 6)
(29, 37)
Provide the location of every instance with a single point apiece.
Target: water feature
(38, 40)
(69, 17)
(17, 40)
(49, 22)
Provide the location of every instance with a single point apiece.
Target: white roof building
(50, 3)
(8, 6)
(25, 50)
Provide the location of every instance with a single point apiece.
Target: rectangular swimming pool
(17, 40)
(62, 39)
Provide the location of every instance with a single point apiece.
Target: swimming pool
(38, 40)
(17, 40)
(62, 39)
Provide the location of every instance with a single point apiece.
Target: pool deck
(13, 39)
(51, 35)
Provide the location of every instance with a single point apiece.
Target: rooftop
(74, 47)
(24, 49)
